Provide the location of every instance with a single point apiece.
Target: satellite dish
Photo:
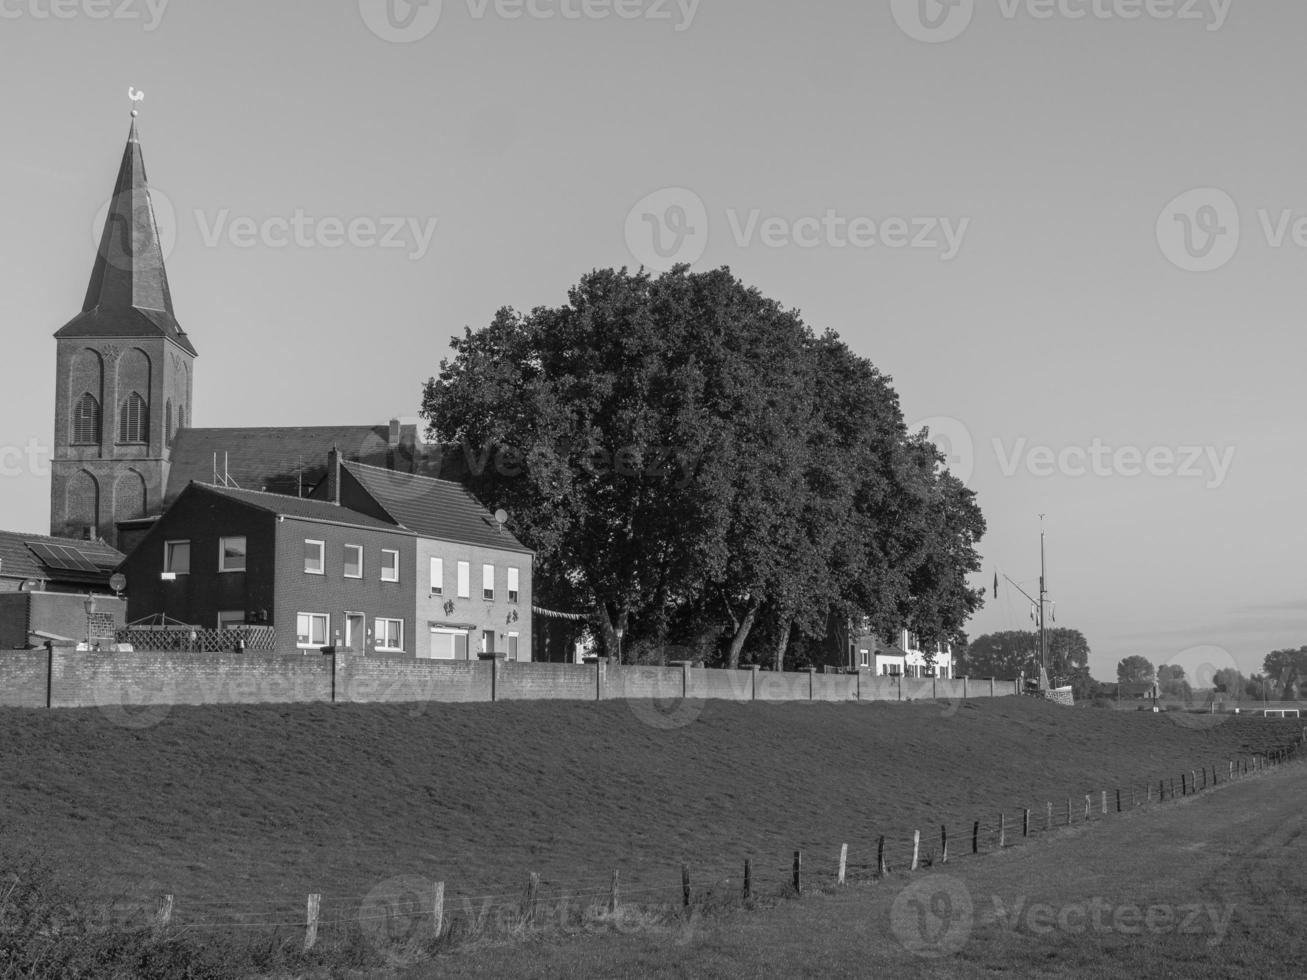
(502, 517)
(117, 581)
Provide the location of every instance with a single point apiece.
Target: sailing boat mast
(1043, 600)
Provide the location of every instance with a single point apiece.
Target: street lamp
(89, 605)
(619, 631)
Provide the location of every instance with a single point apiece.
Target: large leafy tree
(1012, 652)
(1134, 670)
(1287, 670)
(688, 457)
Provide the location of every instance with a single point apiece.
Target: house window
(311, 629)
(134, 420)
(177, 557)
(488, 583)
(86, 421)
(314, 562)
(512, 646)
(231, 554)
(390, 635)
(437, 576)
(865, 656)
(353, 564)
(487, 641)
(464, 580)
(231, 620)
(389, 566)
(512, 585)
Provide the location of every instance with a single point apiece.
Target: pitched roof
(128, 294)
(434, 508)
(302, 508)
(19, 559)
(280, 460)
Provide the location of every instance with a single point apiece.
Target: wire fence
(401, 909)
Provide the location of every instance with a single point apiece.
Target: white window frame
(326, 630)
(864, 656)
(488, 583)
(377, 633)
(168, 557)
(322, 557)
(222, 553)
(345, 564)
(393, 567)
(465, 580)
(437, 576)
(513, 643)
(514, 583)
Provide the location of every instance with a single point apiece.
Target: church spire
(128, 294)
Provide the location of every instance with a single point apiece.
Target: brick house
(44, 586)
(318, 573)
(854, 649)
(473, 577)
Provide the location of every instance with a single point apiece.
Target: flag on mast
(996, 585)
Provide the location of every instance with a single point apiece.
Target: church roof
(433, 508)
(61, 561)
(128, 294)
(302, 508)
(289, 460)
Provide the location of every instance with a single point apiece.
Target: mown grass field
(249, 809)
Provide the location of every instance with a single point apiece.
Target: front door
(355, 630)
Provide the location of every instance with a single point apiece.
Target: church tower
(124, 375)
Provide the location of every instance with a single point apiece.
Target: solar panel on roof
(61, 558)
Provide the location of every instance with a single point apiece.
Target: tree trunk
(742, 634)
(783, 642)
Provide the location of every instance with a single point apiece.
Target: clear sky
(985, 199)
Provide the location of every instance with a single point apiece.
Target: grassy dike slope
(251, 807)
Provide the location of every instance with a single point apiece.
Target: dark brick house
(44, 587)
(320, 574)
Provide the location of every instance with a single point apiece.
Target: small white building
(905, 658)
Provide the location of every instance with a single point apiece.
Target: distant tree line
(1283, 678)
(1014, 652)
(696, 467)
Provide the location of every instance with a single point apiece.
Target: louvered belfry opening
(134, 421)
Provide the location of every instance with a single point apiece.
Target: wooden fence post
(1025, 823)
(975, 838)
(613, 892)
(881, 870)
(438, 908)
(311, 926)
(748, 879)
(1002, 831)
(844, 857)
(1148, 792)
(164, 917)
(1104, 801)
(1048, 825)
(685, 885)
(943, 844)
(798, 871)
(532, 896)
(1118, 800)
(1089, 805)
(1068, 811)
(1172, 787)
(1184, 785)
(1193, 779)
(916, 848)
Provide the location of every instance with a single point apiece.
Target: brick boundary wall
(65, 678)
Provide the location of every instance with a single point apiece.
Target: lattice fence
(256, 639)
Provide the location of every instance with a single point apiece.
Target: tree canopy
(694, 465)
(1135, 670)
(1012, 652)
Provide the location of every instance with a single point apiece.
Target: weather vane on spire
(136, 98)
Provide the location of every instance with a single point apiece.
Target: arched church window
(86, 421)
(167, 421)
(134, 421)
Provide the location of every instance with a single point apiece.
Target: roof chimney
(333, 476)
(394, 433)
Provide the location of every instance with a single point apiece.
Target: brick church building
(125, 445)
